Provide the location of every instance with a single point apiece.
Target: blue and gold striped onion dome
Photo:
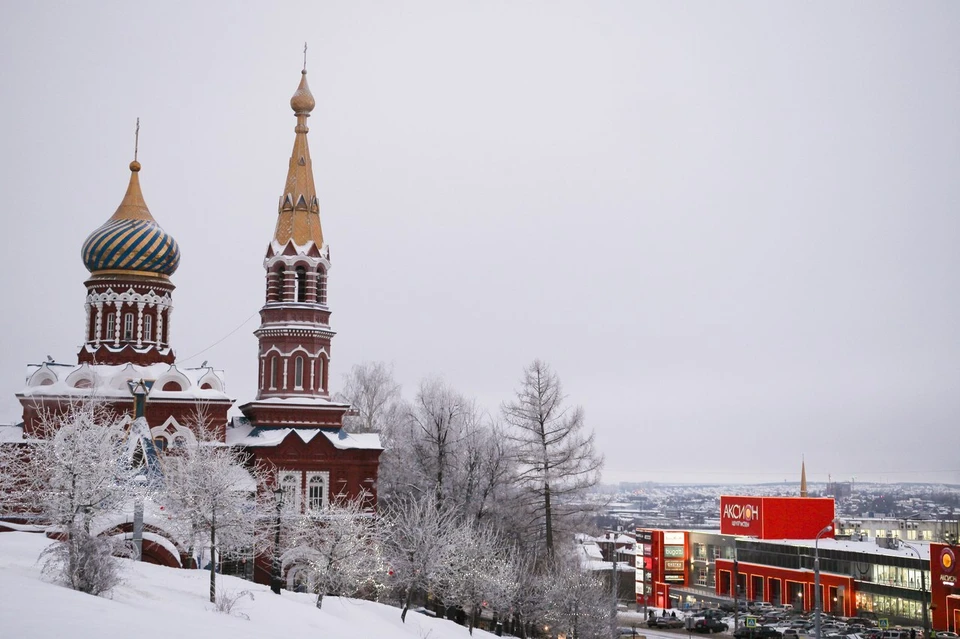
(131, 240)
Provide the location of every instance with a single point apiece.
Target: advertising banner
(740, 516)
(775, 517)
(673, 551)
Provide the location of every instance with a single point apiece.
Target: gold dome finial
(302, 101)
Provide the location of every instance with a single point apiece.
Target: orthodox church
(292, 425)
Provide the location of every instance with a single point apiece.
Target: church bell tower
(295, 334)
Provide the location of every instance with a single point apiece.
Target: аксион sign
(741, 514)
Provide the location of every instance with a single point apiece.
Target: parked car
(629, 632)
(791, 633)
(759, 632)
(666, 622)
(709, 624)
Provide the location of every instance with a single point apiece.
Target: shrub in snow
(227, 601)
(86, 562)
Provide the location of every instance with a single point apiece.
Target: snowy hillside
(156, 602)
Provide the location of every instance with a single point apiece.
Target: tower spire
(299, 211)
(803, 477)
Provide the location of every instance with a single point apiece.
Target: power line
(242, 324)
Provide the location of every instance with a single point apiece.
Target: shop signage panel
(674, 565)
(674, 538)
(673, 551)
(948, 566)
(740, 515)
(673, 578)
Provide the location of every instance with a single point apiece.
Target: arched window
(321, 286)
(298, 372)
(276, 284)
(128, 326)
(273, 373)
(111, 326)
(301, 284)
(290, 483)
(316, 490)
(147, 328)
(160, 443)
(281, 286)
(320, 373)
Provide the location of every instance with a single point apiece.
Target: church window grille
(298, 373)
(128, 326)
(321, 286)
(111, 326)
(317, 490)
(160, 443)
(290, 483)
(301, 284)
(147, 328)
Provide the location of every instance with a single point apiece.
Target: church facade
(292, 425)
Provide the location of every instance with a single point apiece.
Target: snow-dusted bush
(86, 562)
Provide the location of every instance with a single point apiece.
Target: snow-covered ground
(156, 602)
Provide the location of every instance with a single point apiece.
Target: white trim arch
(172, 431)
(213, 379)
(43, 377)
(173, 374)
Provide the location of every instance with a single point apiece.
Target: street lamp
(923, 591)
(816, 579)
(275, 581)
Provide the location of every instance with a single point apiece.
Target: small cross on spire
(136, 141)
(304, 57)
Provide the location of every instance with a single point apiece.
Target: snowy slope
(161, 603)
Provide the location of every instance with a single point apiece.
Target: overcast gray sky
(731, 228)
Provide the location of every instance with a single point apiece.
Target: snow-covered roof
(11, 433)
(293, 402)
(244, 434)
(51, 379)
(866, 547)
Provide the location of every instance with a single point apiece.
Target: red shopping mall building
(765, 549)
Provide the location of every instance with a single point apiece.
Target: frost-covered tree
(420, 545)
(528, 598)
(579, 602)
(554, 451)
(77, 470)
(480, 575)
(441, 419)
(340, 547)
(374, 395)
(484, 474)
(212, 490)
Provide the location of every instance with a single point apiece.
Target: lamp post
(923, 592)
(816, 579)
(275, 580)
(139, 389)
